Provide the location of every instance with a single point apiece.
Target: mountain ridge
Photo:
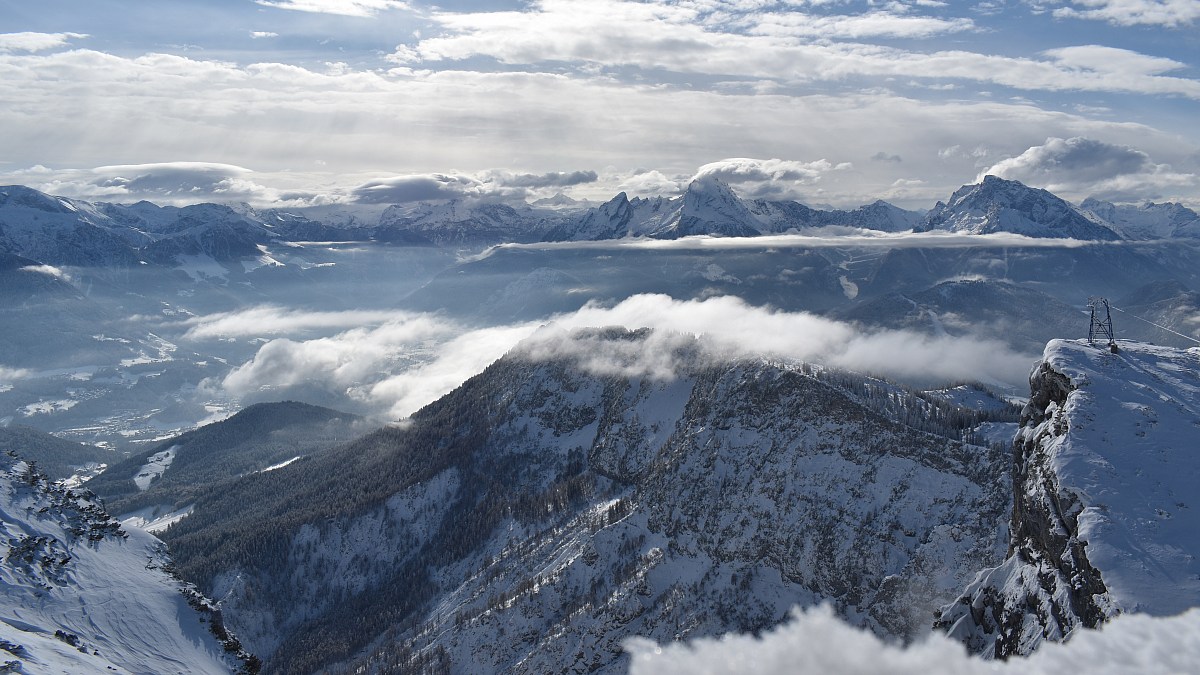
(62, 231)
(551, 486)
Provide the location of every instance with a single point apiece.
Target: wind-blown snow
(818, 642)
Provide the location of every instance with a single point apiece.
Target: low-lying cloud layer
(48, 270)
(270, 320)
(818, 642)
(410, 360)
(7, 375)
(833, 237)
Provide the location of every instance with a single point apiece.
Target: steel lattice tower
(1101, 327)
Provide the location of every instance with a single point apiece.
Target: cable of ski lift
(1173, 332)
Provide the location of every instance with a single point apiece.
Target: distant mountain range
(72, 232)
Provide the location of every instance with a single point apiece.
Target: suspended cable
(1174, 332)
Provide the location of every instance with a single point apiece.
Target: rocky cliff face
(1103, 471)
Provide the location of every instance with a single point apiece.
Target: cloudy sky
(826, 101)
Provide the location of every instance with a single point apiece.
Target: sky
(829, 102)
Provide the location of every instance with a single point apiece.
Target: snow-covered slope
(590, 487)
(1104, 519)
(617, 218)
(998, 205)
(1147, 221)
(61, 231)
(74, 232)
(79, 595)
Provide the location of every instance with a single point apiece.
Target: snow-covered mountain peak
(999, 205)
(560, 201)
(1147, 221)
(885, 216)
(712, 194)
(710, 206)
(19, 195)
(611, 220)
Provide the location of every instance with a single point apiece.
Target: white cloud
(48, 270)
(270, 320)
(360, 8)
(552, 179)
(417, 188)
(1082, 166)
(159, 106)
(816, 641)
(741, 169)
(259, 34)
(405, 392)
(1170, 13)
(1122, 62)
(348, 363)
(167, 182)
(873, 24)
(493, 183)
(35, 42)
(770, 178)
(401, 365)
(678, 38)
(743, 329)
(652, 183)
(7, 374)
(168, 179)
